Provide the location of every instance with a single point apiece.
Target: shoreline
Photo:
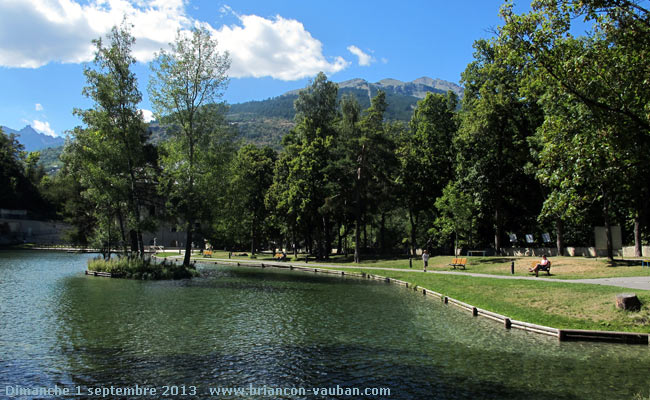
(508, 323)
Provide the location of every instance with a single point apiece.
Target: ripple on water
(238, 326)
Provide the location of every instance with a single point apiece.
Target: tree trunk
(608, 229)
(140, 242)
(559, 225)
(295, 245)
(253, 234)
(327, 238)
(339, 245)
(497, 232)
(365, 236)
(637, 235)
(382, 234)
(188, 244)
(122, 232)
(357, 238)
(109, 239)
(413, 232)
(134, 242)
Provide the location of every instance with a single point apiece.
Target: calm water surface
(237, 327)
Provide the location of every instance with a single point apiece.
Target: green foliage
(251, 176)
(492, 144)
(265, 122)
(138, 268)
(426, 158)
(302, 180)
(185, 86)
(595, 94)
(110, 156)
(456, 219)
(50, 159)
(20, 177)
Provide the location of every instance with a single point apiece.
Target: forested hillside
(267, 121)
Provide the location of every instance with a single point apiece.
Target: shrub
(137, 268)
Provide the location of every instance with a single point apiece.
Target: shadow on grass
(623, 263)
(365, 258)
(494, 260)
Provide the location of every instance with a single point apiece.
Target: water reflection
(238, 326)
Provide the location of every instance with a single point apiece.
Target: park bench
(458, 263)
(546, 268)
(207, 253)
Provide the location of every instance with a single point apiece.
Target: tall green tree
(599, 79)
(492, 143)
(305, 178)
(366, 160)
(116, 136)
(250, 179)
(186, 84)
(427, 158)
(456, 217)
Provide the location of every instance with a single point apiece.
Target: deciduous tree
(185, 86)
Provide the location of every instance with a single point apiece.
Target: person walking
(425, 259)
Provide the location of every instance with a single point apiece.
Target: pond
(275, 334)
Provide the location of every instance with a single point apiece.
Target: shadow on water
(408, 375)
(283, 329)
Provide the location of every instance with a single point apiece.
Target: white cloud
(38, 107)
(280, 48)
(147, 115)
(365, 59)
(37, 32)
(43, 127)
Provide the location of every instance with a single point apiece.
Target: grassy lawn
(555, 304)
(562, 267)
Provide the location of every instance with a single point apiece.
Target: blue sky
(275, 46)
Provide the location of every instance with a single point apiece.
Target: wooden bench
(458, 262)
(546, 268)
(207, 253)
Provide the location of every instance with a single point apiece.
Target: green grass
(136, 268)
(557, 304)
(562, 267)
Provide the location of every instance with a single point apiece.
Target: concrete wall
(552, 251)
(165, 236)
(14, 231)
(629, 251)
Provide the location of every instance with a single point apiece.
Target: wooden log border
(508, 323)
(99, 273)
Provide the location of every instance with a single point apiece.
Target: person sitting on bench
(543, 265)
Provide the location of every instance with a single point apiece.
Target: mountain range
(33, 140)
(265, 122)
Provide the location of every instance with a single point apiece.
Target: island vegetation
(551, 135)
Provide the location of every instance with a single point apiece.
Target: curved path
(633, 282)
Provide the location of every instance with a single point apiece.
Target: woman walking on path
(425, 259)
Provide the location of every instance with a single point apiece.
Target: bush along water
(137, 268)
